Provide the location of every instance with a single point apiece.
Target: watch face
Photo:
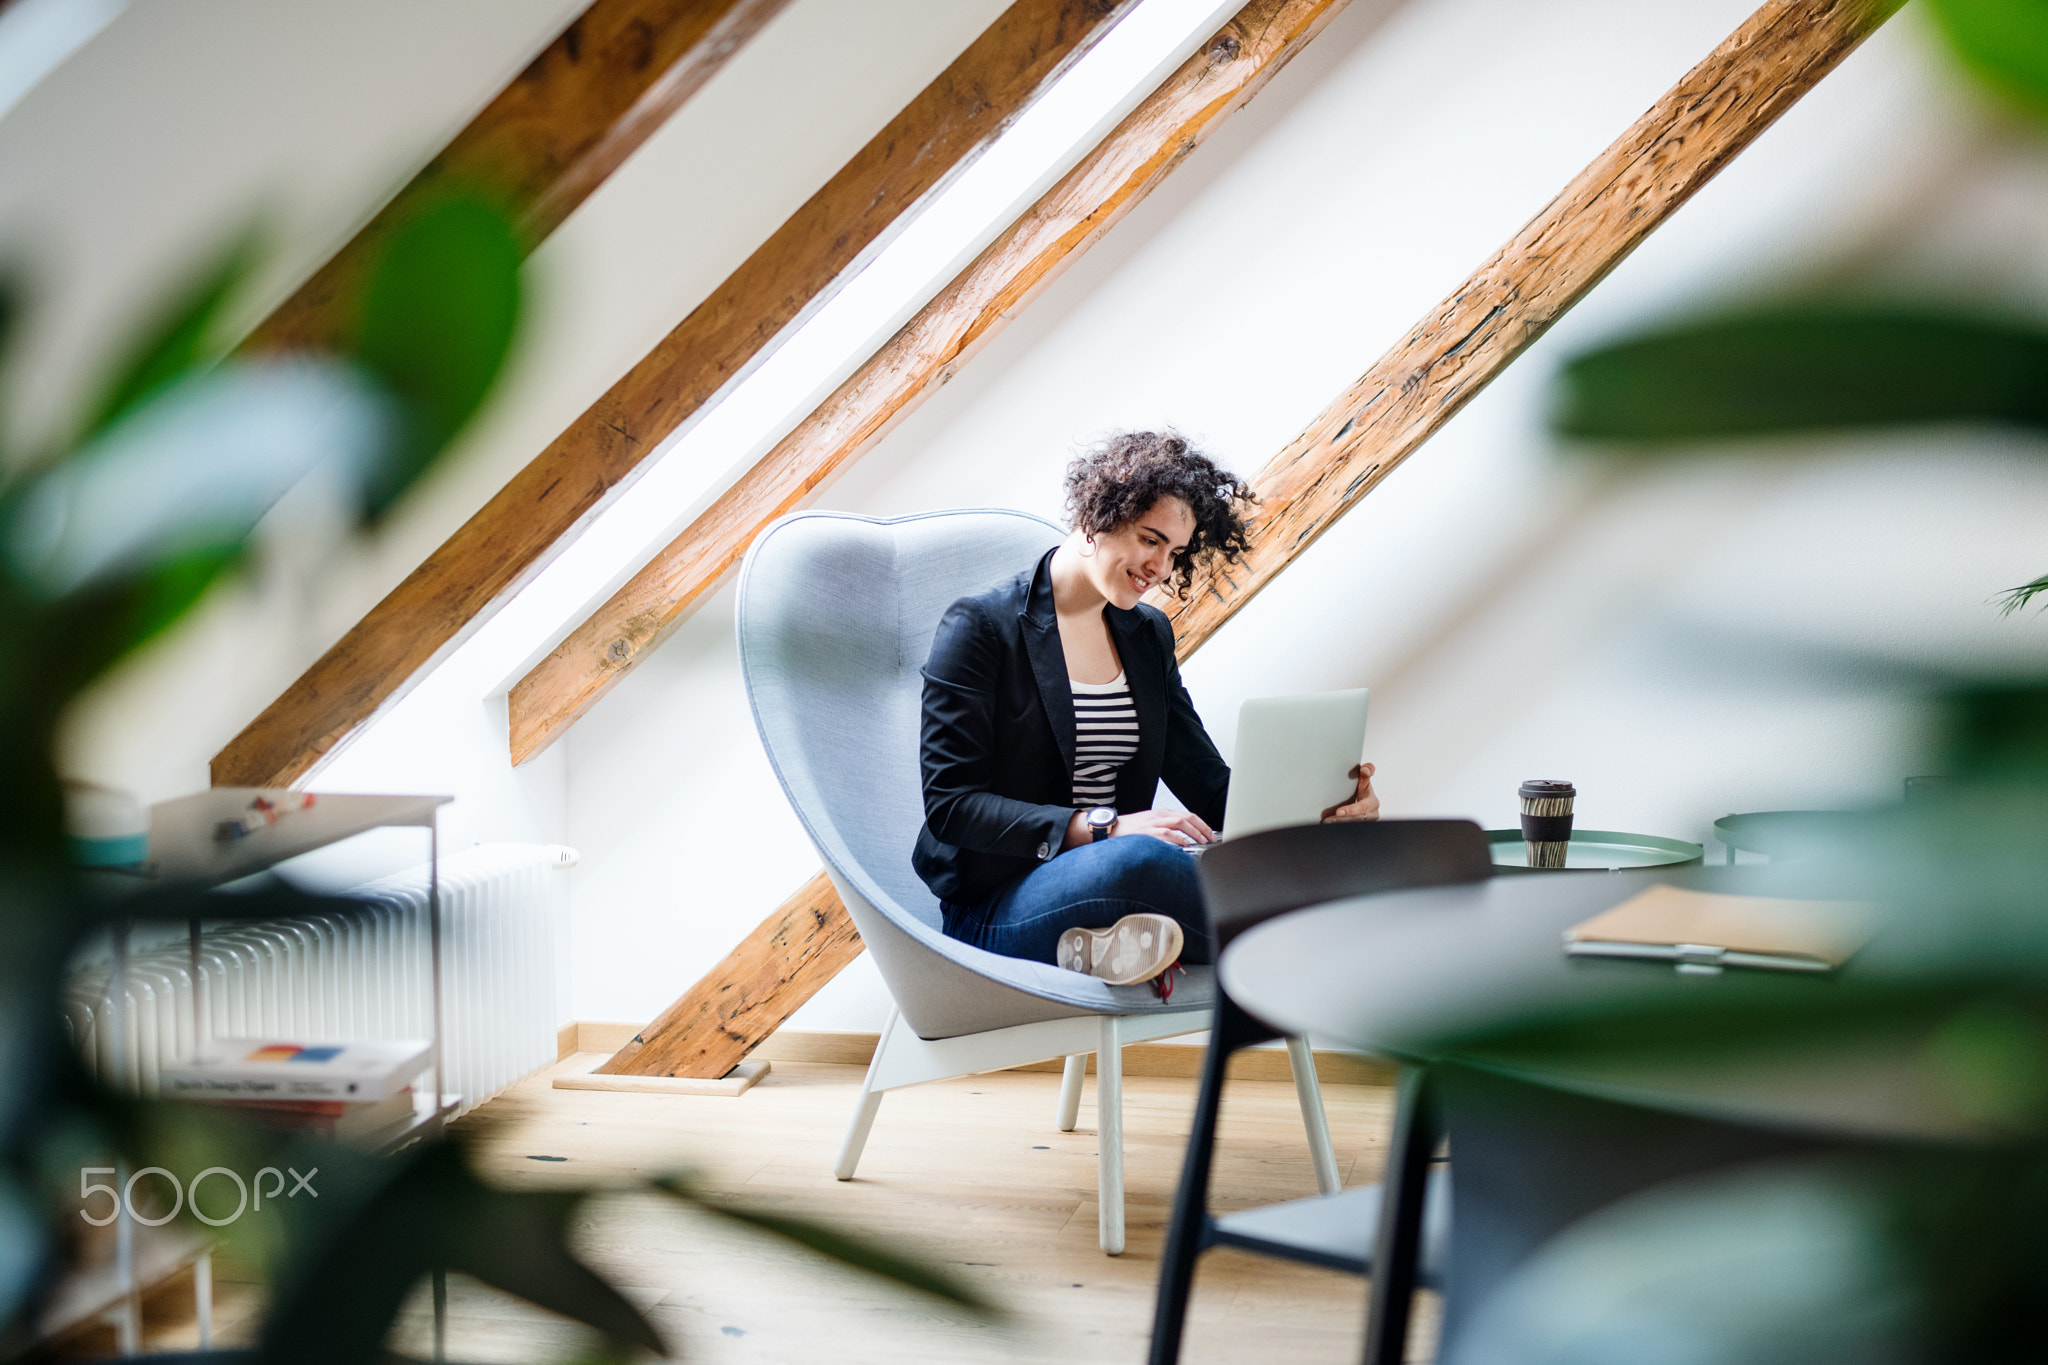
(1102, 817)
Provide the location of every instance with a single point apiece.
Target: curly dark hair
(1115, 481)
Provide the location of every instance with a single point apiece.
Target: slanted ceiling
(1708, 118)
(1228, 69)
(943, 128)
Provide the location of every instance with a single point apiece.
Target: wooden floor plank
(969, 1173)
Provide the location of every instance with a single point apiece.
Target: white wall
(1682, 642)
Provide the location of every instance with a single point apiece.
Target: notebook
(1702, 931)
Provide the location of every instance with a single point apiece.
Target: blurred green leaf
(1991, 1060)
(190, 471)
(10, 315)
(183, 337)
(2015, 598)
(438, 312)
(1804, 368)
(1998, 732)
(392, 1222)
(859, 1253)
(599, 1355)
(63, 647)
(24, 1243)
(2005, 42)
(145, 607)
(100, 551)
(1973, 1222)
(1784, 1263)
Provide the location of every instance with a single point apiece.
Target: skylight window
(707, 455)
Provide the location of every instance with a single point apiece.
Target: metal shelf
(184, 850)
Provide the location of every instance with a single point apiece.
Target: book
(261, 1068)
(1703, 932)
(342, 1120)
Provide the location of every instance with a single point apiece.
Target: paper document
(1704, 931)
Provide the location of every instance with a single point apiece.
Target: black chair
(1246, 882)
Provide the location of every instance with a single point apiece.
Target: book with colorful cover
(343, 1120)
(263, 1068)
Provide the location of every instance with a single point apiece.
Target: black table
(1390, 973)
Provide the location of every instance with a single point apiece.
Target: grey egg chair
(835, 615)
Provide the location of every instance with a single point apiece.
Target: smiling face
(1139, 554)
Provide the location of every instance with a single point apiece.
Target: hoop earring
(1088, 553)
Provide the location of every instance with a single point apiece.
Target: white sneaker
(1136, 948)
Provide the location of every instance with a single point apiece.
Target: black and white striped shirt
(1105, 738)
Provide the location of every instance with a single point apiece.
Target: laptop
(1294, 758)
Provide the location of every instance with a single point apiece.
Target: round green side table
(1779, 833)
(1596, 850)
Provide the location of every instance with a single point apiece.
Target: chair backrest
(1249, 880)
(836, 618)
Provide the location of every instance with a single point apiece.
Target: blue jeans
(1090, 887)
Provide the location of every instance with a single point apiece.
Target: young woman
(1053, 708)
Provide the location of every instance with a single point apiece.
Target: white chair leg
(1070, 1091)
(1109, 1135)
(128, 1325)
(1310, 1093)
(857, 1133)
(202, 1298)
(864, 1111)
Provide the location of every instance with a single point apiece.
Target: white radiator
(361, 975)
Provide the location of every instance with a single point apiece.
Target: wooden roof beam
(1702, 123)
(742, 1000)
(1110, 181)
(1629, 190)
(548, 139)
(511, 538)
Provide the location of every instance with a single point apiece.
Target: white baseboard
(1140, 1059)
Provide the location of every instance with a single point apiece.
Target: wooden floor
(971, 1173)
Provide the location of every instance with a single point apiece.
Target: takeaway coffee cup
(1546, 820)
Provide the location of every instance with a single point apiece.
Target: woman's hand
(1363, 805)
(1180, 828)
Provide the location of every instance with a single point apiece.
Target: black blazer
(998, 736)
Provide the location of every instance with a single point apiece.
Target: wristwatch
(1101, 823)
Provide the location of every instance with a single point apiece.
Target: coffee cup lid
(1547, 786)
